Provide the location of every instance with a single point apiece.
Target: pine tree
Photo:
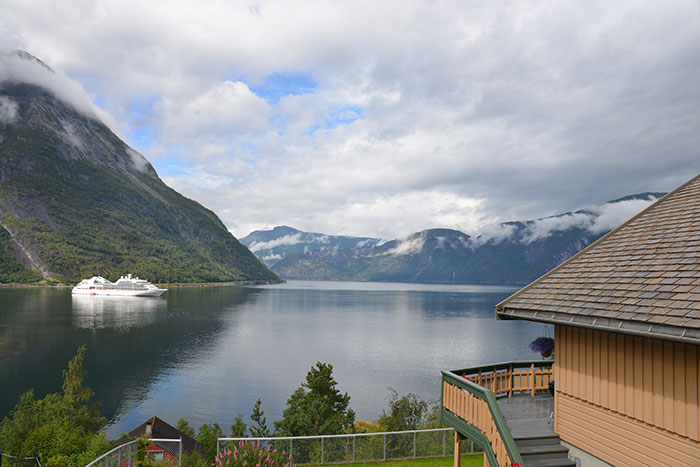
(317, 407)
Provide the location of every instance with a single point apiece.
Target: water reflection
(98, 312)
(207, 354)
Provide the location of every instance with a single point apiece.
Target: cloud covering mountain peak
(22, 67)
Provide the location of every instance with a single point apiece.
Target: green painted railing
(469, 405)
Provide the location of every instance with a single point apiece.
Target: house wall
(627, 400)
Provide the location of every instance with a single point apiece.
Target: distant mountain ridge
(76, 201)
(507, 253)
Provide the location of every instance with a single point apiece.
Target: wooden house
(626, 313)
(160, 431)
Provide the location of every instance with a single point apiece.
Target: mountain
(508, 253)
(76, 201)
(271, 246)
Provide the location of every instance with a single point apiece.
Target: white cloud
(611, 215)
(70, 135)
(542, 228)
(495, 233)
(9, 110)
(599, 219)
(225, 110)
(468, 113)
(408, 246)
(137, 158)
(14, 68)
(291, 239)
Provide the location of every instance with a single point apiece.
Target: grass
(468, 460)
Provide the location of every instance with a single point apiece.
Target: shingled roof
(643, 278)
(163, 430)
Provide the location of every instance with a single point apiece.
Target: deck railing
(469, 403)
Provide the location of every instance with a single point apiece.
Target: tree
(317, 407)
(259, 430)
(239, 427)
(409, 412)
(184, 426)
(208, 436)
(63, 427)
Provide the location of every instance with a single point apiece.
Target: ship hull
(120, 293)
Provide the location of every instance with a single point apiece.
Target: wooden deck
(528, 416)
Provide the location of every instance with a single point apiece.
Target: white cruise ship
(126, 286)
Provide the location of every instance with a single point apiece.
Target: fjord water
(206, 354)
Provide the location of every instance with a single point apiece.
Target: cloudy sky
(383, 118)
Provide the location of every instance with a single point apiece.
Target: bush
(253, 455)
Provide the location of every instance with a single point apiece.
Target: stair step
(553, 451)
(537, 440)
(563, 462)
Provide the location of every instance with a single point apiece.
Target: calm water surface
(207, 354)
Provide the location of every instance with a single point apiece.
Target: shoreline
(14, 285)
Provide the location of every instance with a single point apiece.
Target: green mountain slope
(76, 201)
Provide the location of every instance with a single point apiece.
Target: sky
(385, 118)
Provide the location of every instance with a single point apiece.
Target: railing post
(510, 381)
(532, 379)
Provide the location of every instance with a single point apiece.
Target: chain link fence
(124, 455)
(6, 460)
(362, 447)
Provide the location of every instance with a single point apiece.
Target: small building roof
(643, 278)
(163, 430)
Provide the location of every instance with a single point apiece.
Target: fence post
(217, 446)
(128, 462)
(179, 463)
(322, 450)
(444, 442)
(291, 459)
(384, 446)
(353, 448)
(414, 444)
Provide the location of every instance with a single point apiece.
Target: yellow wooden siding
(621, 440)
(615, 380)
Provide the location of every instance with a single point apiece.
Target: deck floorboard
(527, 416)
